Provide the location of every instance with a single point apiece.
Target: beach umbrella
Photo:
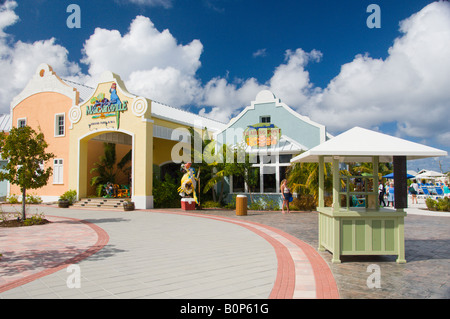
(429, 174)
(391, 175)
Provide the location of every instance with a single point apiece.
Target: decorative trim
(74, 115)
(140, 106)
(45, 80)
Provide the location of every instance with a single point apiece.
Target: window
(269, 179)
(264, 119)
(286, 158)
(22, 122)
(59, 125)
(238, 184)
(58, 169)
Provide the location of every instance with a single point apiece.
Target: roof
(5, 122)
(266, 96)
(160, 110)
(359, 145)
(286, 145)
(169, 113)
(84, 90)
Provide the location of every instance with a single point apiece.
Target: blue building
(272, 133)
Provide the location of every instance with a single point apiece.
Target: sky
(341, 63)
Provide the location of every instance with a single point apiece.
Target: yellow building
(76, 120)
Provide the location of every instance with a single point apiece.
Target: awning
(360, 145)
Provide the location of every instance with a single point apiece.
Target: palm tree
(303, 178)
(104, 168)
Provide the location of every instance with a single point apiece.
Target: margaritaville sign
(262, 135)
(103, 108)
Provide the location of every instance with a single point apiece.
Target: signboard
(262, 135)
(102, 108)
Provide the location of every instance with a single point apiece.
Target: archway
(91, 149)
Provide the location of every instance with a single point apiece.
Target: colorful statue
(188, 182)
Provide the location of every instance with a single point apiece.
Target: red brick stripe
(284, 286)
(102, 240)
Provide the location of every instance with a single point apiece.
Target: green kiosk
(363, 228)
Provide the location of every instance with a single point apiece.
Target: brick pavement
(425, 275)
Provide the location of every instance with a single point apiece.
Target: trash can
(241, 205)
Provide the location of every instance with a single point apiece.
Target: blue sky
(213, 56)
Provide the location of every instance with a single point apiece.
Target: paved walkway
(212, 254)
(158, 254)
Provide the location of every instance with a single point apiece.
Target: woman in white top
(286, 193)
(414, 193)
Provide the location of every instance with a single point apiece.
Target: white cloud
(260, 53)
(150, 62)
(410, 86)
(151, 3)
(19, 60)
(7, 16)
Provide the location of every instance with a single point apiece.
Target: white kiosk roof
(359, 145)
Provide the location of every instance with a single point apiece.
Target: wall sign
(102, 108)
(262, 135)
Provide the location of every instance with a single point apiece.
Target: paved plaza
(210, 254)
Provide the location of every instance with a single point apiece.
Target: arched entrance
(96, 152)
(112, 115)
(110, 161)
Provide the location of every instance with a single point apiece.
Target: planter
(128, 206)
(63, 203)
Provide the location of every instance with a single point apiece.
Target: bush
(264, 203)
(70, 195)
(304, 203)
(232, 203)
(33, 199)
(35, 220)
(210, 204)
(165, 193)
(431, 203)
(12, 199)
(442, 204)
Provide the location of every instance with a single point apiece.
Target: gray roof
(84, 90)
(5, 122)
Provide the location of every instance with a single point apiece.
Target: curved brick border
(102, 240)
(285, 286)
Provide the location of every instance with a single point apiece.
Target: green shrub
(70, 195)
(33, 199)
(443, 204)
(34, 220)
(12, 199)
(265, 203)
(165, 193)
(210, 204)
(431, 203)
(232, 203)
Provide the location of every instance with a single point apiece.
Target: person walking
(390, 192)
(414, 190)
(286, 194)
(381, 193)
